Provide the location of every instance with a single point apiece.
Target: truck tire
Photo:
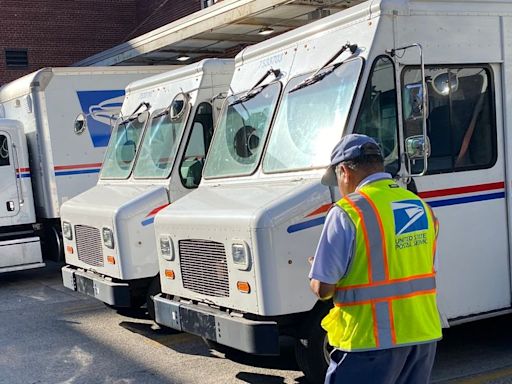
(153, 290)
(311, 348)
(51, 244)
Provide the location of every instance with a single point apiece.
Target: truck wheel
(153, 290)
(51, 244)
(312, 348)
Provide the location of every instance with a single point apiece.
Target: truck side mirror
(413, 101)
(178, 106)
(80, 124)
(417, 147)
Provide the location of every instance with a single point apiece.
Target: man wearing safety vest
(375, 259)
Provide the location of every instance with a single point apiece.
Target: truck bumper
(251, 336)
(20, 254)
(112, 293)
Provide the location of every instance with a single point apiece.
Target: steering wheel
(4, 149)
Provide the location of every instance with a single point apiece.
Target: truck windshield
(159, 146)
(123, 147)
(240, 135)
(311, 120)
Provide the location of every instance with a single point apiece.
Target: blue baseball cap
(350, 147)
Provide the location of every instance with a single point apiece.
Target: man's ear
(346, 173)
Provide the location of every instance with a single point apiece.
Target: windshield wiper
(317, 76)
(134, 114)
(255, 90)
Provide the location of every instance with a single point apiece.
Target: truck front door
(464, 183)
(9, 184)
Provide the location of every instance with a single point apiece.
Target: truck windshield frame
(239, 138)
(157, 155)
(123, 147)
(311, 116)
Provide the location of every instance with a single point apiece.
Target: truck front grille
(88, 245)
(204, 268)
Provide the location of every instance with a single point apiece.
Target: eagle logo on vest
(409, 216)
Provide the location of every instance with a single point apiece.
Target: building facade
(50, 33)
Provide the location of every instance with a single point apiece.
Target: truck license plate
(85, 285)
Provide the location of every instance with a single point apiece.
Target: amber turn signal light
(69, 249)
(243, 286)
(169, 273)
(111, 260)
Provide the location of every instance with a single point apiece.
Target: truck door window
(122, 147)
(192, 163)
(4, 151)
(159, 145)
(460, 125)
(311, 120)
(378, 115)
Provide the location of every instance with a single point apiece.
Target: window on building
(460, 125)
(193, 160)
(16, 58)
(208, 3)
(378, 115)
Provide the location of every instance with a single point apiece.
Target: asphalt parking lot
(49, 334)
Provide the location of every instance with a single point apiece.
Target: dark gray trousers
(404, 365)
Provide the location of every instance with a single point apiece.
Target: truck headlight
(67, 230)
(166, 248)
(240, 254)
(108, 237)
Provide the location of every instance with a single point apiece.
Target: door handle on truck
(18, 179)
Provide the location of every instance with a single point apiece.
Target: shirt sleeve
(335, 248)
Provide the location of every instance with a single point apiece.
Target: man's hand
(323, 291)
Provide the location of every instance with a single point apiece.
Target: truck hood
(129, 212)
(252, 205)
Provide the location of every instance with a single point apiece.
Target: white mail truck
(155, 157)
(432, 82)
(54, 128)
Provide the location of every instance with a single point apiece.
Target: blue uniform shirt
(336, 246)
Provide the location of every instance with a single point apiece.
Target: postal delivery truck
(155, 156)
(54, 128)
(432, 82)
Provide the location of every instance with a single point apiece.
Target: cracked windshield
(311, 120)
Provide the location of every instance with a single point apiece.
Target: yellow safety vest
(387, 298)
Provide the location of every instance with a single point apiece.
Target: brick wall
(62, 32)
(152, 14)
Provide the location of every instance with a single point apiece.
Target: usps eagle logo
(410, 216)
(101, 108)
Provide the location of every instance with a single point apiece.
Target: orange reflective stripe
(392, 281)
(381, 229)
(375, 326)
(365, 235)
(380, 300)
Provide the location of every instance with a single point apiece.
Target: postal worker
(375, 260)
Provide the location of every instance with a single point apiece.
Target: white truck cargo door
(464, 183)
(9, 184)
